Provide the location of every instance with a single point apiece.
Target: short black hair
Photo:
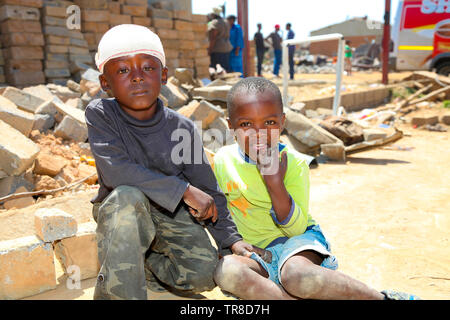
(288, 25)
(231, 16)
(253, 85)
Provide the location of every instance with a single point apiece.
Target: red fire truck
(421, 35)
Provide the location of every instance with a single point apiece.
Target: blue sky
(304, 15)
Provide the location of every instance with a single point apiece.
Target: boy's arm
(115, 168)
(286, 212)
(200, 175)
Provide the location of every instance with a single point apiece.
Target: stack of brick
(27, 265)
(137, 11)
(2, 66)
(184, 38)
(22, 41)
(95, 18)
(62, 45)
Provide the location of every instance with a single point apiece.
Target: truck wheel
(443, 68)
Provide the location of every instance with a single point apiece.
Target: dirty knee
(301, 280)
(229, 272)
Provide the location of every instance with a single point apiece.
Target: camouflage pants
(136, 238)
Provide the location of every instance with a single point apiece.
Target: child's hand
(243, 248)
(273, 170)
(201, 205)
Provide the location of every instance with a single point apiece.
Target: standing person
(291, 48)
(348, 57)
(219, 40)
(276, 45)
(267, 188)
(237, 41)
(150, 204)
(260, 48)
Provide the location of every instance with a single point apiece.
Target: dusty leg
(303, 277)
(245, 278)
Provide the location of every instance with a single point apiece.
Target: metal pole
(339, 72)
(243, 22)
(339, 66)
(386, 41)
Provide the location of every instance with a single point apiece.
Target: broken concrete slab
(52, 224)
(43, 122)
(15, 117)
(26, 268)
(202, 111)
(175, 96)
(80, 250)
(211, 93)
(306, 131)
(22, 99)
(17, 152)
(70, 129)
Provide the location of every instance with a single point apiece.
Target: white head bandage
(128, 39)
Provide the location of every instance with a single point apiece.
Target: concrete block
(94, 15)
(374, 134)
(26, 268)
(24, 52)
(161, 23)
(71, 129)
(52, 224)
(182, 15)
(18, 119)
(203, 111)
(43, 122)
(160, 13)
(17, 152)
(334, 151)
(116, 19)
(92, 4)
(133, 10)
(19, 12)
(212, 93)
(142, 21)
(182, 25)
(9, 26)
(22, 99)
(80, 251)
(22, 39)
(445, 119)
(423, 120)
(10, 184)
(26, 3)
(54, 11)
(175, 96)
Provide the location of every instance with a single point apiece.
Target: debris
(346, 130)
(71, 129)
(436, 127)
(423, 120)
(15, 117)
(52, 224)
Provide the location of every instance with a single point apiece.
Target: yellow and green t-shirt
(249, 201)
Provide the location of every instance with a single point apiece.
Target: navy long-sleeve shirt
(139, 153)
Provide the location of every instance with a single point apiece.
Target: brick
(205, 112)
(23, 100)
(43, 122)
(17, 152)
(167, 33)
(182, 15)
(114, 7)
(423, 120)
(24, 78)
(188, 35)
(170, 54)
(175, 96)
(95, 26)
(116, 19)
(14, 65)
(54, 11)
(57, 72)
(187, 44)
(199, 27)
(19, 12)
(18, 119)
(24, 52)
(56, 49)
(92, 4)
(78, 50)
(160, 23)
(205, 61)
(19, 202)
(136, 2)
(374, 134)
(80, 250)
(26, 268)
(200, 18)
(56, 31)
(52, 224)
(26, 3)
(137, 11)
(182, 25)
(70, 129)
(160, 13)
(9, 26)
(95, 15)
(54, 21)
(186, 63)
(212, 93)
(49, 39)
(142, 21)
(78, 42)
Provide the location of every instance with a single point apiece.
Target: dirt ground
(385, 212)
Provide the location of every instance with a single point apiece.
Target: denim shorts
(284, 248)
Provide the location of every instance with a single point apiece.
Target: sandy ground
(386, 213)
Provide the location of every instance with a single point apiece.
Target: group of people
(275, 39)
(226, 41)
(152, 212)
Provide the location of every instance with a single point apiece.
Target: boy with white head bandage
(148, 207)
